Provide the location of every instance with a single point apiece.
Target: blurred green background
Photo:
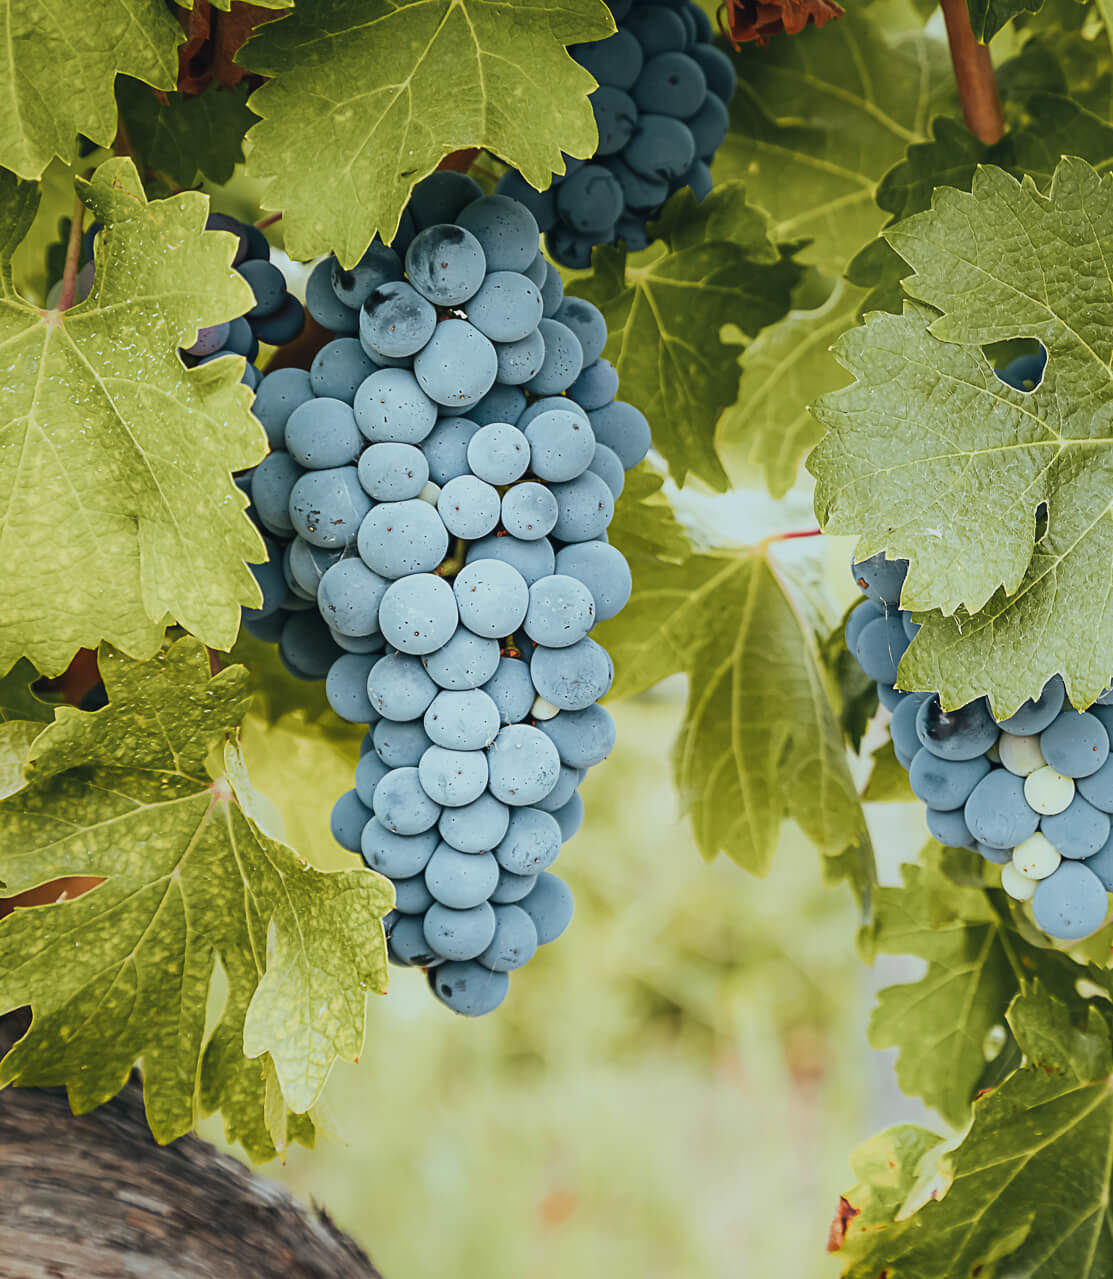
(671, 1089)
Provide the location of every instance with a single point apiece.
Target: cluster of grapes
(1032, 793)
(661, 111)
(440, 485)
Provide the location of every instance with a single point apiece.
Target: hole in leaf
(1018, 362)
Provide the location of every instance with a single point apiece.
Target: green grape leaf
(760, 740)
(122, 973)
(987, 17)
(889, 1167)
(928, 451)
(367, 98)
(814, 126)
(665, 309)
(783, 370)
(61, 65)
(226, 5)
(644, 523)
(1049, 1125)
(888, 779)
(186, 136)
(125, 455)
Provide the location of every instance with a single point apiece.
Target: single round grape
(533, 559)
(1018, 886)
(657, 28)
(717, 69)
(399, 687)
(891, 697)
(517, 363)
(585, 508)
(550, 907)
(616, 115)
(586, 321)
(370, 771)
(511, 887)
(418, 613)
(1102, 864)
(603, 570)
(860, 617)
(346, 687)
(661, 147)
(407, 945)
(393, 472)
(501, 404)
(468, 988)
(531, 842)
(267, 283)
(572, 678)
(1020, 755)
(390, 407)
(398, 538)
(305, 646)
(322, 303)
(446, 449)
(272, 582)
(395, 320)
(498, 453)
(561, 444)
(1097, 789)
(459, 934)
(281, 326)
(615, 60)
(880, 580)
(347, 820)
(477, 827)
(596, 386)
(902, 727)
(671, 83)
(322, 433)
(469, 507)
(623, 429)
(464, 721)
(327, 507)
(402, 804)
(349, 595)
(709, 127)
(1075, 743)
(561, 611)
(461, 880)
(272, 482)
(441, 196)
(1071, 903)
(339, 368)
(605, 464)
(506, 308)
(511, 689)
(515, 940)
(996, 812)
(1047, 791)
(582, 738)
(590, 201)
(506, 230)
(412, 896)
(880, 647)
(523, 765)
(1080, 830)
(396, 856)
(400, 744)
(278, 395)
(965, 733)
(378, 265)
(563, 362)
(946, 783)
(445, 264)
(529, 511)
(567, 783)
(492, 598)
(1034, 716)
(466, 661)
(948, 827)
(542, 204)
(457, 366)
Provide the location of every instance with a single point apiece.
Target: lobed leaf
(122, 973)
(368, 96)
(117, 456)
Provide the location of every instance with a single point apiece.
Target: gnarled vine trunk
(94, 1197)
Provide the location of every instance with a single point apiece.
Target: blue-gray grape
(498, 453)
(398, 538)
(469, 507)
(399, 743)
(523, 765)
(446, 265)
(459, 934)
(461, 880)
(469, 989)
(418, 613)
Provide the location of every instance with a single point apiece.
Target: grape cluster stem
(977, 86)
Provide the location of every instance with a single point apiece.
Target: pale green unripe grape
(1020, 754)
(1018, 886)
(1047, 791)
(1036, 857)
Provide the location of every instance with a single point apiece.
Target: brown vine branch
(73, 257)
(977, 86)
(269, 220)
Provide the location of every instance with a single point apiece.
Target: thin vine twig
(73, 257)
(977, 86)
